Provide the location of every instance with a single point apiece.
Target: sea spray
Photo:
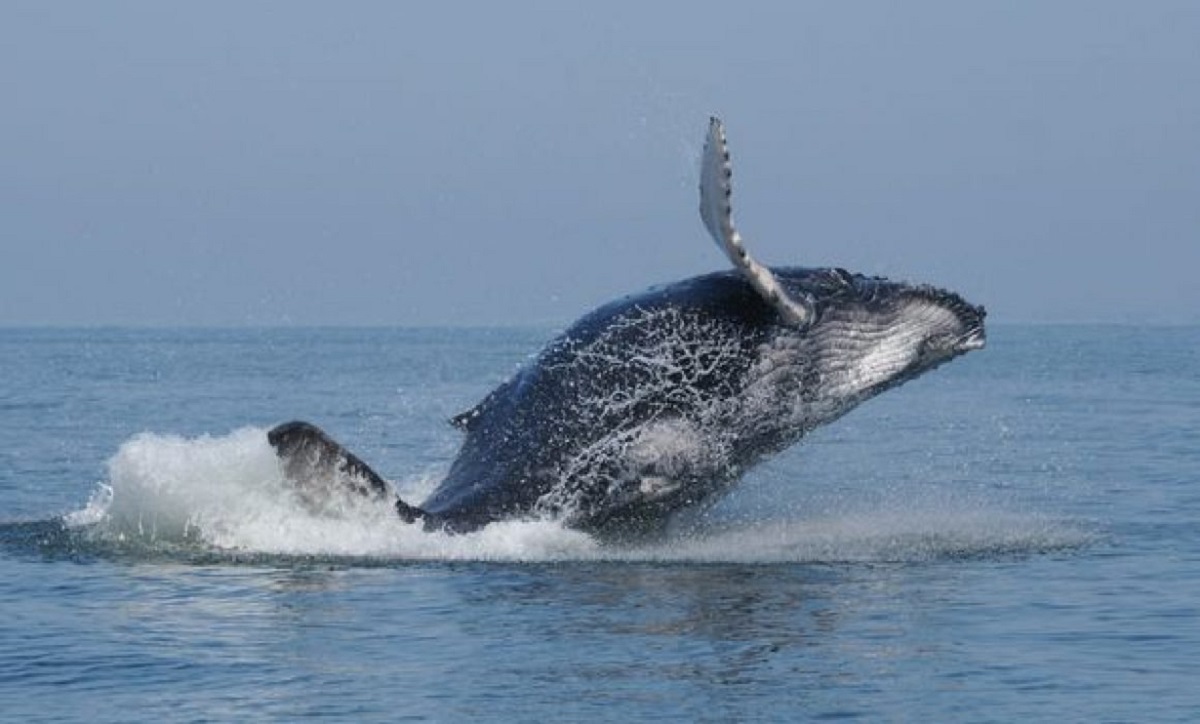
(229, 494)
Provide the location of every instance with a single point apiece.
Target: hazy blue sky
(480, 163)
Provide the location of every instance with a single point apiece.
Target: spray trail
(229, 494)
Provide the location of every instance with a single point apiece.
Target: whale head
(868, 334)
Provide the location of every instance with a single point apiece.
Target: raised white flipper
(716, 211)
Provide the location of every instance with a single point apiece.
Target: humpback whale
(660, 401)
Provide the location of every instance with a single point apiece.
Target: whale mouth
(973, 339)
(974, 334)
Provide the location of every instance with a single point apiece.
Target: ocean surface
(1013, 537)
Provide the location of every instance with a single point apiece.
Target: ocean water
(1012, 537)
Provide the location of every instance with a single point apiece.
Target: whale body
(659, 402)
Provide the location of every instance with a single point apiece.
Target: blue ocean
(1012, 537)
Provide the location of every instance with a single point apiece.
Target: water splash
(228, 496)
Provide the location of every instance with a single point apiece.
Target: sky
(477, 163)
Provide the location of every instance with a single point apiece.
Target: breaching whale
(660, 401)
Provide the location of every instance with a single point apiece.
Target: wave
(227, 496)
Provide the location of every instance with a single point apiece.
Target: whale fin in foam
(320, 467)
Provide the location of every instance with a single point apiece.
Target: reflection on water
(301, 636)
(722, 631)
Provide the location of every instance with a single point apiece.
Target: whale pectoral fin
(321, 468)
(311, 456)
(716, 211)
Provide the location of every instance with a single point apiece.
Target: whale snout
(974, 335)
(975, 339)
(942, 324)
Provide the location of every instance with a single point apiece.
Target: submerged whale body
(660, 401)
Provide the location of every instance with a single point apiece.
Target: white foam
(229, 494)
